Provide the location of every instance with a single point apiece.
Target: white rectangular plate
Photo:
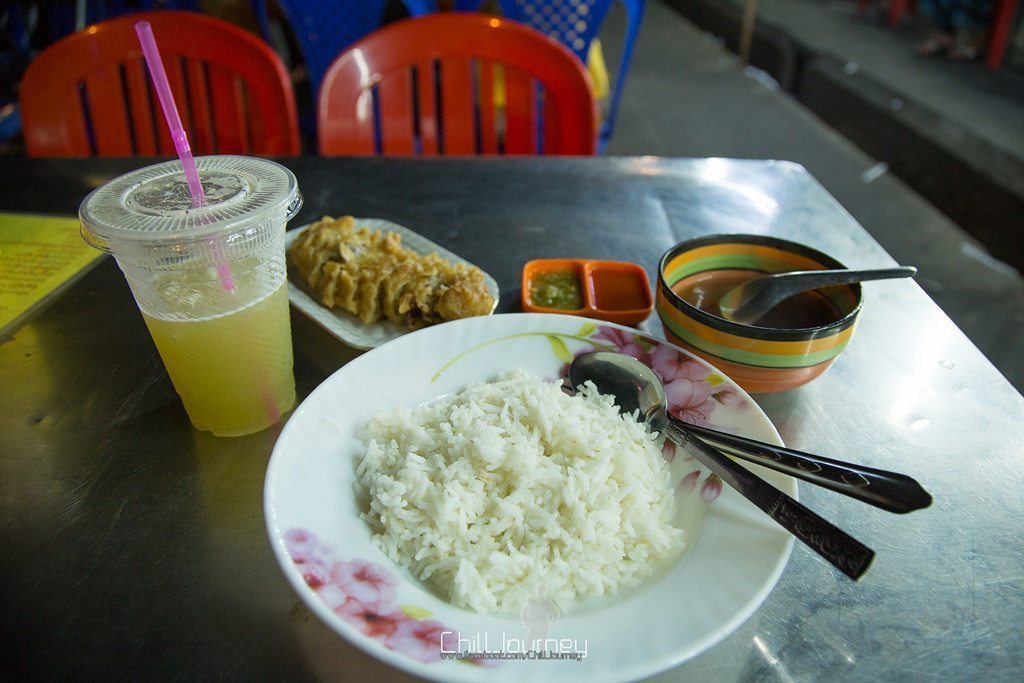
(347, 327)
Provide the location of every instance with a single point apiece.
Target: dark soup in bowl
(805, 309)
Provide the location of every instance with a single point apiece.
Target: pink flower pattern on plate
(692, 390)
(711, 488)
(419, 639)
(630, 344)
(362, 594)
(366, 582)
(377, 620)
(688, 483)
(312, 560)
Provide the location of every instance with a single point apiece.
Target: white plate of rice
(443, 506)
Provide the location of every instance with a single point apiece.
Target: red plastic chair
(426, 86)
(1003, 13)
(90, 95)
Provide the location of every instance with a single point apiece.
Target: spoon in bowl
(748, 302)
(636, 388)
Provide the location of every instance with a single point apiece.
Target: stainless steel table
(133, 546)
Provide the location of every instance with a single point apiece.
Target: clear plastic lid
(153, 204)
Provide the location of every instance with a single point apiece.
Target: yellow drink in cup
(209, 281)
(249, 350)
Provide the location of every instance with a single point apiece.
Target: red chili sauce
(619, 290)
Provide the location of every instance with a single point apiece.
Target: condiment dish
(616, 291)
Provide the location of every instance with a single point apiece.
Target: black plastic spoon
(750, 301)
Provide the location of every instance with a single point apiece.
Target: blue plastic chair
(15, 54)
(99, 10)
(575, 23)
(324, 28)
(66, 17)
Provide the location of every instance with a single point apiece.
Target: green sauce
(557, 289)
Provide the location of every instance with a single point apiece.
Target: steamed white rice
(512, 485)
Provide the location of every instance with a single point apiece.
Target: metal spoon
(636, 388)
(749, 302)
(887, 490)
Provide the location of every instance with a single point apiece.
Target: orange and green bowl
(758, 358)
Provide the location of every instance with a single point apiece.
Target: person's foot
(936, 44)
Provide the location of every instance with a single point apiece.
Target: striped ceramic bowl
(760, 359)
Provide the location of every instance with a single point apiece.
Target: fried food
(371, 275)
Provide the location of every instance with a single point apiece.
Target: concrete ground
(686, 95)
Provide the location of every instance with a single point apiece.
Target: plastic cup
(209, 281)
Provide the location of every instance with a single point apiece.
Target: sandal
(963, 54)
(938, 43)
(966, 47)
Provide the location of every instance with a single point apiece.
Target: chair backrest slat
(176, 78)
(394, 97)
(360, 133)
(521, 113)
(489, 72)
(139, 109)
(201, 136)
(108, 117)
(458, 115)
(550, 123)
(229, 111)
(164, 144)
(66, 121)
(426, 94)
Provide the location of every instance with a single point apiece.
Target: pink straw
(163, 90)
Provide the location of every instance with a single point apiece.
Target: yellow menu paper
(39, 256)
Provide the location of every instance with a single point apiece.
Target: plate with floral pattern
(734, 556)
